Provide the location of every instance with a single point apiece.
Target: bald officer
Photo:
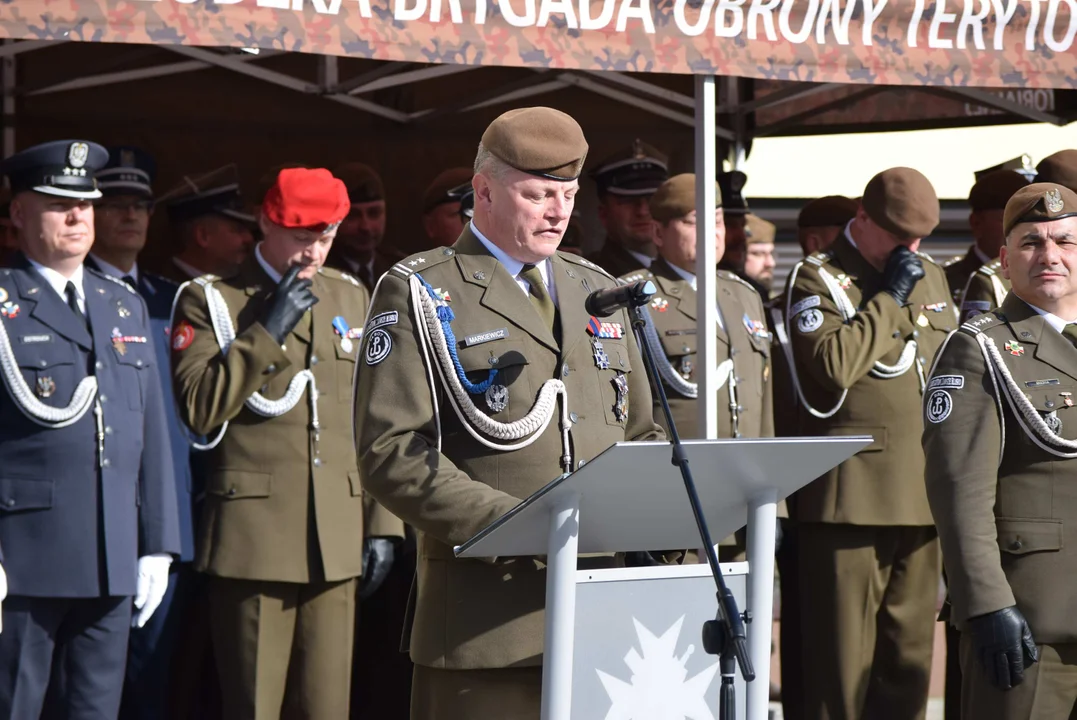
(513, 308)
(625, 181)
(1000, 436)
(88, 516)
(285, 518)
(987, 200)
(864, 320)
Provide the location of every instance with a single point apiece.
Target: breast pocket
(613, 382)
(135, 368)
(53, 372)
(1054, 404)
(680, 349)
(510, 396)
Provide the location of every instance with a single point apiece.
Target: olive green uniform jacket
(1006, 507)
(282, 503)
(882, 484)
(420, 460)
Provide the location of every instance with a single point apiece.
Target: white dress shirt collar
(1053, 320)
(690, 277)
(646, 260)
(273, 274)
(59, 283)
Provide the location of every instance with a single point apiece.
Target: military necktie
(1070, 331)
(73, 303)
(540, 297)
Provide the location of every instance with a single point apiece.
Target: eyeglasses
(124, 205)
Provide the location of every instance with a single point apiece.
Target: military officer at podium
(88, 516)
(501, 315)
(1000, 436)
(286, 530)
(864, 319)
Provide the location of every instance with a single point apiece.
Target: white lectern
(631, 497)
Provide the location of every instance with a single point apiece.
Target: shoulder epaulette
(579, 260)
(990, 268)
(925, 256)
(421, 261)
(167, 282)
(954, 259)
(819, 258)
(335, 274)
(636, 277)
(733, 277)
(983, 322)
(111, 279)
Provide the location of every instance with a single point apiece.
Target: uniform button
(622, 361)
(916, 333)
(479, 275)
(10, 502)
(313, 359)
(317, 462)
(732, 352)
(740, 408)
(43, 363)
(104, 398)
(271, 368)
(231, 491)
(1016, 544)
(264, 389)
(99, 365)
(1050, 403)
(573, 417)
(447, 251)
(108, 430)
(564, 371)
(494, 361)
(897, 334)
(138, 363)
(736, 378)
(685, 349)
(106, 462)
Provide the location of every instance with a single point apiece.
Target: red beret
(308, 198)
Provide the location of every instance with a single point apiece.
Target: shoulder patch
(421, 261)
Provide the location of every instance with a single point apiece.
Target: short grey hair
(489, 164)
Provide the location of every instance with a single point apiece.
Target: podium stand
(631, 497)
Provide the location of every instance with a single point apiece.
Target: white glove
(152, 583)
(3, 595)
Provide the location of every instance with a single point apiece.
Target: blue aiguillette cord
(446, 316)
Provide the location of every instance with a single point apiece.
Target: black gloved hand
(1003, 643)
(378, 556)
(903, 270)
(287, 304)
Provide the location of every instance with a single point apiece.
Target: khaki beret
(1040, 202)
(903, 202)
(828, 211)
(758, 231)
(440, 189)
(1060, 168)
(993, 190)
(539, 141)
(362, 181)
(637, 170)
(676, 197)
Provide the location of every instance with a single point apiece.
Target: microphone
(605, 302)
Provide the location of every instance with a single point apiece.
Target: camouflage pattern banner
(984, 43)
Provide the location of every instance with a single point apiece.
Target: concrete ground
(938, 674)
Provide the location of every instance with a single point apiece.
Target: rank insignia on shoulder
(1014, 348)
(605, 330)
(350, 279)
(660, 304)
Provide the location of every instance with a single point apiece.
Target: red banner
(985, 43)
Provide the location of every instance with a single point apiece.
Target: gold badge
(921, 320)
(1053, 198)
